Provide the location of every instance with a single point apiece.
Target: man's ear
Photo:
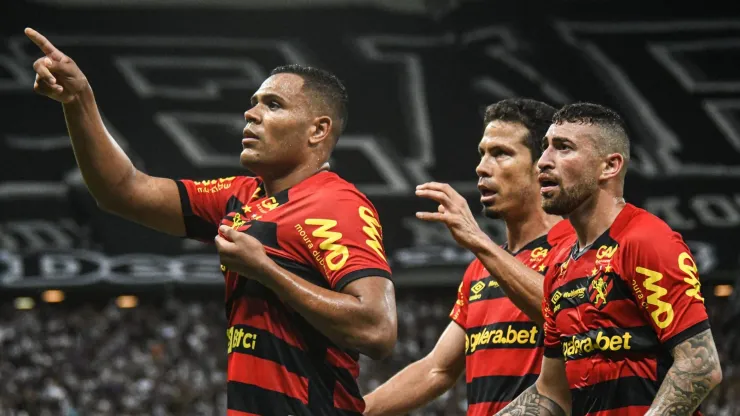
(320, 130)
(612, 166)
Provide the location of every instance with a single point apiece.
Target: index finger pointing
(46, 47)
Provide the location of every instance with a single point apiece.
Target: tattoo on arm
(532, 403)
(695, 372)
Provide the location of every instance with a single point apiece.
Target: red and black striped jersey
(615, 310)
(323, 230)
(503, 347)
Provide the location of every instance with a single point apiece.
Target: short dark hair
(614, 139)
(326, 87)
(535, 115)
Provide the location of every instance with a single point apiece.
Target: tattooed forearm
(695, 372)
(532, 403)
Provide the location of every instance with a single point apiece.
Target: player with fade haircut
(625, 324)
(307, 283)
(491, 336)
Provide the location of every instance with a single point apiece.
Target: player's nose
(546, 161)
(252, 116)
(483, 170)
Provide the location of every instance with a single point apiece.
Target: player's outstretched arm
(520, 283)
(549, 396)
(422, 381)
(695, 372)
(114, 182)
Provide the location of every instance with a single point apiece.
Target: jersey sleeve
(459, 313)
(345, 238)
(204, 205)
(665, 282)
(553, 348)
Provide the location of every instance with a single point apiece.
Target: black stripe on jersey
(686, 334)
(498, 388)
(265, 345)
(503, 335)
(610, 342)
(613, 394)
(486, 288)
(577, 292)
(195, 226)
(265, 233)
(359, 274)
(256, 400)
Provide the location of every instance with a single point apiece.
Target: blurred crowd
(168, 357)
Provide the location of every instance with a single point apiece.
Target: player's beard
(568, 199)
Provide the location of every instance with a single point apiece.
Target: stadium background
(99, 316)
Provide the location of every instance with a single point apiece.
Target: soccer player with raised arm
(495, 333)
(307, 282)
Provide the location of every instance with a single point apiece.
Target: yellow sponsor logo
(538, 253)
(372, 230)
(606, 252)
(575, 293)
(507, 336)
(556, 297)
(493, 283)
(601, 342)
(663, 314)
(213, 185)
(268, 205)
(338, 254)
(688, 266)
(476, 289)
(239, 338)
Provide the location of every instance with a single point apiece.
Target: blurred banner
(173, 84)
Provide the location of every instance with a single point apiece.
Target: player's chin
(554, 206)
(491, 211)
(249, 157)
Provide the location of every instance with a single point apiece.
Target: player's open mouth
(486, 195)
(547, 184)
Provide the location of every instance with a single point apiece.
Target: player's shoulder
(329, 186)
(232, 184)
(635, 225)
(561, 233)
(474, 269)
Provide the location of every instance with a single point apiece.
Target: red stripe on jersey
(257, 313)
(341, 359)
(268, 375)
(505, 309)
(485, 409)
(597, 369)
(623, 411)
(345, 401)
(519, 362)
(238, 413)
(617, 313)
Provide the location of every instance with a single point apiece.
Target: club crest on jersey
(598, 289)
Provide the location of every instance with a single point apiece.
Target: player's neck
(274, 185)
(523, 230)
(595, 216)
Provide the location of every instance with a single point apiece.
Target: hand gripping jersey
(323, 230)
(503, 347)
(615, 311)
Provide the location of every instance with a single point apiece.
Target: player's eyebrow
(266, 96)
